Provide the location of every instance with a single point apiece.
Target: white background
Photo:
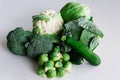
(106, 13)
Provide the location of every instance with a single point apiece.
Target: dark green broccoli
(16, 40)
(39, 44)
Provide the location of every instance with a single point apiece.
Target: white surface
(106, 15)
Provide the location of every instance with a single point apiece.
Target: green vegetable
(60, 72)
(49, 64)
(71, 29)
(91, 19)
(65, 56)
(51, 73)
(41, 72)
(58, 39)
(85, 24)
(58, 64)
(89, 39)
(53, 37)
(86, 37)
(60, 60)
(76, 58)
(36, 30)
(67, 65)
(56, 48)
(72, 11)
(94, 42)
(54, 63)
(41, 17)
(39, 44)
(42, 59)
(65, 47)
(90, 56)
(16, 40)
(84, 31)
(55, 55)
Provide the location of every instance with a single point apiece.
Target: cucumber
(86, 53)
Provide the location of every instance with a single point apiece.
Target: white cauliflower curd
(49, 22)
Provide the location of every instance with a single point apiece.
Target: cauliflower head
(49, 22)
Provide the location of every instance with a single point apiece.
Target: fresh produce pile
(58, 40)
(54, 64)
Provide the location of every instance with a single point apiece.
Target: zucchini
(85, 52)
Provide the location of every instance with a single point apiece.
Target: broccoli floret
(39, 44)
(16, 40)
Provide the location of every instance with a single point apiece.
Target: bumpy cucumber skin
(90, 56)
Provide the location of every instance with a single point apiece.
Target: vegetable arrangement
(58, 40)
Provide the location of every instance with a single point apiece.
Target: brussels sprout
(55, 55)
(66, 56)
(60, 72)
(61, 60)
(67, 66)
(58, 64)
(56, 48)
(49, 64)
(42, 58)
(51, 73)
(41, 72)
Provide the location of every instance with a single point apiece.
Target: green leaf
(86, 37)
(53, 37)
(94, 42)
(41, 17)
(82, 22)
(73, 30)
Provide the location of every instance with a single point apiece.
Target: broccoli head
(39, 44)
(16, 40)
